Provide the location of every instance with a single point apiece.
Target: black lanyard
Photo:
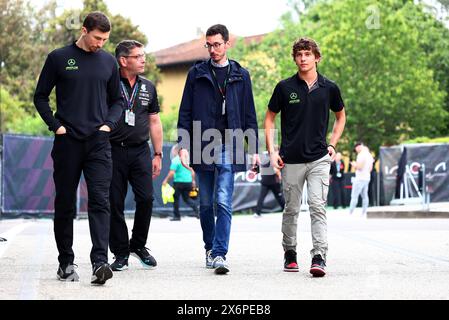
(222, 89)
(129, 100)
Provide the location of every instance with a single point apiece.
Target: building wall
(171, 86)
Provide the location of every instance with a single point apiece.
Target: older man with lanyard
(131, 157)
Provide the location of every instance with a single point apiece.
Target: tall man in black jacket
(88, 107)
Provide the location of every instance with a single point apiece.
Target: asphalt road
(367, 259)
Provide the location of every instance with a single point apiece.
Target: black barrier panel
(347, 186)
(27, 183)
(246, 192)
(28, 188)
(435, 157)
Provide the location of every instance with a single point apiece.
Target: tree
(433, 43)
(169, 121)
(14, 118)
(27, 36)
(66, 28)
(384, 62)
(264, 69)
(19, 53)
(374, 52)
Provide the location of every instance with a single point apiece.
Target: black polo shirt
(304, 117)
(146, 103)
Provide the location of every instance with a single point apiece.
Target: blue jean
(359, 187)
(216, 188)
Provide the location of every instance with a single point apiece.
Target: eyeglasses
(137, 57)
(216, 45)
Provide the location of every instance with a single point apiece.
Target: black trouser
(183, 189)
(93, 158)
(131, 164)
(277, 191)
(338, 193)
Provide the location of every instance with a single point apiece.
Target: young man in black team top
(304, 101)
(131, 157)
(88, 107)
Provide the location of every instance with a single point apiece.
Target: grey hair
(125, 46)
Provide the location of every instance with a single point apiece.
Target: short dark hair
(358, 143)
(125, 46)
(218, 29)
(305, 44)
(97, 20)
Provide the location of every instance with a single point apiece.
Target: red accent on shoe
(317, 270)
(292, 267)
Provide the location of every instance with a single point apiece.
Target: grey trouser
(316, 174)
(359, 187)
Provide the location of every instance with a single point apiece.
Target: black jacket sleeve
(185, 113)
(45, 84)
(250, 117)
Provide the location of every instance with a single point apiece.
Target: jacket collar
(203, 70)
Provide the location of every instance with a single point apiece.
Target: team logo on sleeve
(294, 98)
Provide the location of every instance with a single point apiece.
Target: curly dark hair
(306, 44)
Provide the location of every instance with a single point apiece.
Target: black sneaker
(290, 264)
(318, 266)
(145, 257)
(66, 272)
(101, 273)
(175, 219)
(120, 264)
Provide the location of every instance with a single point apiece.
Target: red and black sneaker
(290, 264)
(318, 266)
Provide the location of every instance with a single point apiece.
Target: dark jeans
(131, 164)
(277, 191)
(338, 193)
(183, 189)
(72, 157)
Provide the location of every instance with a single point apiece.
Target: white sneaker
(209, 260)
(220, 265)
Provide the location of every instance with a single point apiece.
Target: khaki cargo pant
(316, 174)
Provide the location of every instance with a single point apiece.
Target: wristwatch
(158, 154)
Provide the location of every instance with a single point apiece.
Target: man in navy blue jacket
(216, 116)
